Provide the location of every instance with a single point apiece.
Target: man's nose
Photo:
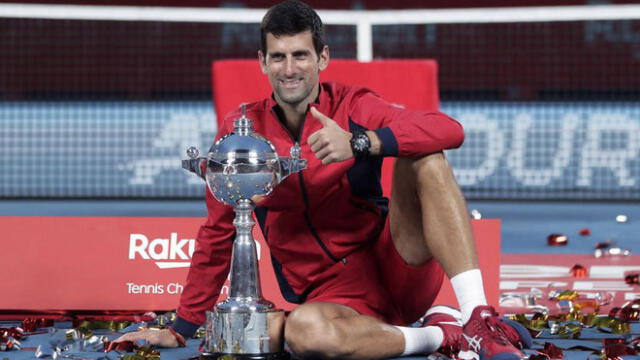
(290, 66)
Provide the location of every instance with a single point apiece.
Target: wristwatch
(360, 144)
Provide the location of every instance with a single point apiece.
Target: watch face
(361, 144)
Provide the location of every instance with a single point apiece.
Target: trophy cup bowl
(241, 169)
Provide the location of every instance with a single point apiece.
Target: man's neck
(294, 117)
(294, 114)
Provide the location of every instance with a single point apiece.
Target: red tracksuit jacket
(318, 216)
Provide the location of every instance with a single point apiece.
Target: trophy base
(267, 356)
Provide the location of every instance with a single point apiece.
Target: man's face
(293, 67)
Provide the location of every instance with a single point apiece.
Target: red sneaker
(449, 320)
(484, 339)
(516, 333)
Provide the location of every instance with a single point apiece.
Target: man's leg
(323, 330)
(428, 217)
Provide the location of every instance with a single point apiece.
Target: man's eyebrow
(301, 52)
(295, 53)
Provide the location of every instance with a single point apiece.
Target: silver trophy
(241, 169)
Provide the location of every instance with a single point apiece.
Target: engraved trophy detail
(241, 169)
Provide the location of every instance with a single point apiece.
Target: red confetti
(628, 312)
(552, 351)
(631, 311)
(613, 351)
(557, 240)
(632, 279)
(578, 271)
(31, 324)
(6, 344)
(585, 232)
(607, 342)
(613, 312)
(13, 332)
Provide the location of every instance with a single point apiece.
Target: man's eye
(277, 58)
(301, 56)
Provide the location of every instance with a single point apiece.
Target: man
(361, 276)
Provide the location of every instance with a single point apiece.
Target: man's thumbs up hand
(331, 143)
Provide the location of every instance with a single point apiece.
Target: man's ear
(263, 62)
(324, 58)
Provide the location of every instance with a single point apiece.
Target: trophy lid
(252, 149)
(243, 145)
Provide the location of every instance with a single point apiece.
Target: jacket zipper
(310, 225)
(303, 189)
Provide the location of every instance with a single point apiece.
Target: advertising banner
(137, 263)
(541, 150)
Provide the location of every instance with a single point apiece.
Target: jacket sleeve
(210, 265)
(404, 132)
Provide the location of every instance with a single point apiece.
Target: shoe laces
(493, 325)
(452, 349)
(510, 334)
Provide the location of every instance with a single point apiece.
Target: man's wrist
(376, 145)
(184, 327)
(181, 341)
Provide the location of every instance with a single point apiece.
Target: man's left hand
(331, 143)
(156, 337)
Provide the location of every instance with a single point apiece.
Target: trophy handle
(195, 166)
(289, 166)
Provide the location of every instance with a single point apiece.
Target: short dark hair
(292, 17)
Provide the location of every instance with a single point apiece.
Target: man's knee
(312, 335)
(432, 163)
(431, 171)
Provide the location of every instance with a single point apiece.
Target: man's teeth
(291, 83)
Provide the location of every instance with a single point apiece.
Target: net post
(365, 41)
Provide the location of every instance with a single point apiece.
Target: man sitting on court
(361, 268)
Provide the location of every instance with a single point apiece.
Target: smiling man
(362, 268)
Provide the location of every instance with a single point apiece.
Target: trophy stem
(245, 276)
(245, 326)
(243, 167)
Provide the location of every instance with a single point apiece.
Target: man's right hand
(161, 338)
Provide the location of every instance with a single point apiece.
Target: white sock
(421, 340)
(469, 291)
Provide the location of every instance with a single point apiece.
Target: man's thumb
(324, 120)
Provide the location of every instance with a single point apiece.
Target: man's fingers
(162, 338)
(328, 160)
(322, 118)
(313, 138)
(318, 144)
(331, 143)
(132, 336)
(318, 140)
(322, 153)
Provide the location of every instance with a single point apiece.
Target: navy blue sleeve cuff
(185, 328)
(389, 143)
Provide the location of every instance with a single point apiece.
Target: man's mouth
(291, 83)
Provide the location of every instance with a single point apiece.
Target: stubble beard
(293, 99)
